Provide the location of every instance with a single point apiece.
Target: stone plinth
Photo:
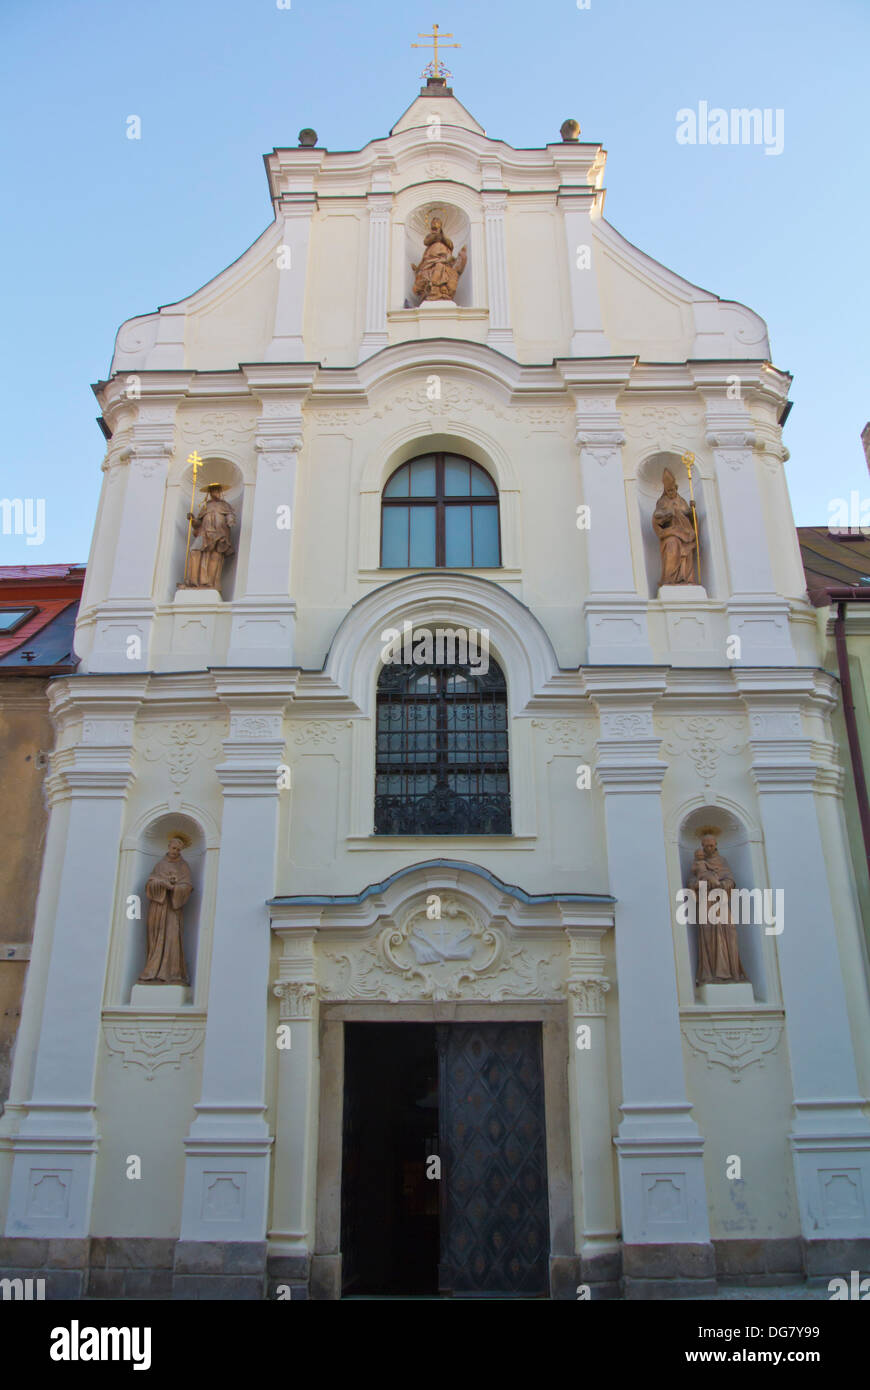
(682, 593)
(736, 995)
(437, 318)
(194, 598)
(161, 996)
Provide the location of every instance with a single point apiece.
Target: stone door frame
(555, 1020)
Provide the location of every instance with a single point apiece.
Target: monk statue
(718, 958)
(437, 275)
(167, 890)
(674, 525)
(212, 540)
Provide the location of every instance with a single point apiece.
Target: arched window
(440, 510)
(442, 751)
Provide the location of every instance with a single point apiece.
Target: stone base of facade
(220, 1269)
(602, 1275)
(824, 1259)
(668, 1271)
(760, 1262)
(289, 1277)
(127, 1268)
(64, 1265)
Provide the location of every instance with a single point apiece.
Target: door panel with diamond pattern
(494, 1213)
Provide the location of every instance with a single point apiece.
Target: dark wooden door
(495, 1235)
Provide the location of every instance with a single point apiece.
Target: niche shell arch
(649, 488)
(735, 837)
(148, 847)
(457, 228)
(213, 469)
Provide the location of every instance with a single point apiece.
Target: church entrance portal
(470, 1098)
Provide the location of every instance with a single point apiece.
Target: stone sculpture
(167, 890)
(674, 525)
(437, 275)
(718, 957)
(212, 540)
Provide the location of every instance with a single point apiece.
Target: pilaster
(756, 613)
(228, 1148)
(830, 1137)
(125, 619)
(264, 615)
(595, 1197)
(55, 1147)
(500, 334)
(664, 1200)
(588, 338)
(375, 336)
(616, 614)
(292, 1229)
(287, 345)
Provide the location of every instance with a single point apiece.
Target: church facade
(401, 636)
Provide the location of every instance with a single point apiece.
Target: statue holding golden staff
(213, 540)
(718, 957)
(674, 524)
(437, 275)
(167, 890)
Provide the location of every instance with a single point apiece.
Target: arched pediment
(435, 599)
(444, 930)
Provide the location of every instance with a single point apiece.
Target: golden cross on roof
(438, 69)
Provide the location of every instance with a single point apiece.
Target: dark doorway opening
(389, 1208)
(444, 1167)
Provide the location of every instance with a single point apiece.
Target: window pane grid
(442, 754)
(446, 507)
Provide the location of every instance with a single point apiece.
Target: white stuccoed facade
(574, 369)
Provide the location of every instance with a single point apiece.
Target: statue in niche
(212, 540)
(437, 275)
(674, 524)
(718, 957)
(167, 890)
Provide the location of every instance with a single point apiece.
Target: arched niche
(457, 227)
(211, 470)
(734, 843)
(649, 490)
(151, 845)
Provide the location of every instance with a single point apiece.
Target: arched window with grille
(442, 751)
(440, 510)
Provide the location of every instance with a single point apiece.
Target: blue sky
(99, 228)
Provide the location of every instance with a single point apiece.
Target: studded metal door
(495, 1236)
